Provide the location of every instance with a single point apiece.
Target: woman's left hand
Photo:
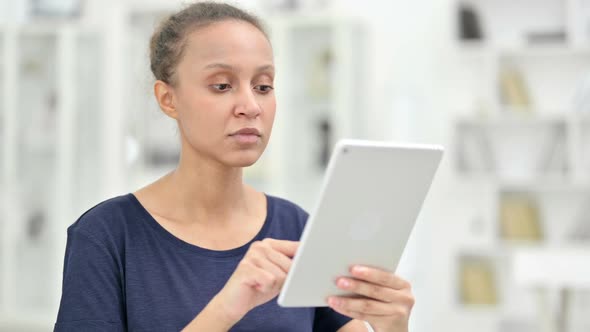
(386, 300)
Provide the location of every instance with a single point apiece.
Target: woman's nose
(247, 105)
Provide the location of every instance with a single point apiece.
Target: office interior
(502, 243)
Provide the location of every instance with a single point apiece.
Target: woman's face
(224, 94)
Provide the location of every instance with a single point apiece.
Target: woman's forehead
(228, 41)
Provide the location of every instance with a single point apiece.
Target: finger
(397, 314)
(260, 260)
(260, 278)
(279, 259)
(379, 277)
(355, 315)
(286, 247)
(367, 289)
(363, 306)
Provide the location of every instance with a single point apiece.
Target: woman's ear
(166, 99)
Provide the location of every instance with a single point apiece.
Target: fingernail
(334, 301)
(359, 269)
(343, 283)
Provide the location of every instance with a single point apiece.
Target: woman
(198, 249)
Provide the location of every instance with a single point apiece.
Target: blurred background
(503, 240)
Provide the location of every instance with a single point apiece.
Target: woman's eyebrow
(232, 68)
(219, 65)
(265, 68)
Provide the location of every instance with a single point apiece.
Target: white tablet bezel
(335, 222)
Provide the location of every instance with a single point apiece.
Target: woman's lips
(246, 138)
(247, 131)
(246, 135)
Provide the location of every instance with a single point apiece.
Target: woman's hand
(385, 300)
(258, 277)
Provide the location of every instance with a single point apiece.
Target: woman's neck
(211, 186)
(201, 190)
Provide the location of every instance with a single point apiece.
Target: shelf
(319, 94)
(539, 151)
(524, 51)
(551, 52)
(514, 118)
(506, 22)
(557, 183)
(542, 218)
(489, 273)
(549, 84)
(516, 148)
(553, 267)
(54, 104)
(494, 277)
(539, 184)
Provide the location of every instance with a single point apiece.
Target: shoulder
(107, 222)
(286, 207)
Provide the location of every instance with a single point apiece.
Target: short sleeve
(92, 297)
(328, 320)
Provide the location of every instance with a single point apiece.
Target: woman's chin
(244, 159)
(247, 163)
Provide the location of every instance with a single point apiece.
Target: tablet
(369, 201)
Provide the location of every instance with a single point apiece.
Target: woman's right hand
(258, 277)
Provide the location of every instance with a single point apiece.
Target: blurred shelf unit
(152, 141)
(49, 121)
(320, 63)
(514, 149)
(506, 23)
(548, 217)
(523, 130)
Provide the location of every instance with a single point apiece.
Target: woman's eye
(264, 88)
(221, 87)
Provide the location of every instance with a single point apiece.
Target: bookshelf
(519, 139)
(319, 61)
(50, 114)
(561, 269)
(147, 128)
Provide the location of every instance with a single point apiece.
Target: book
(554, 157)
(477, 279)
(469, 23)
(475, 150)
(519, 219)
(513, 89)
